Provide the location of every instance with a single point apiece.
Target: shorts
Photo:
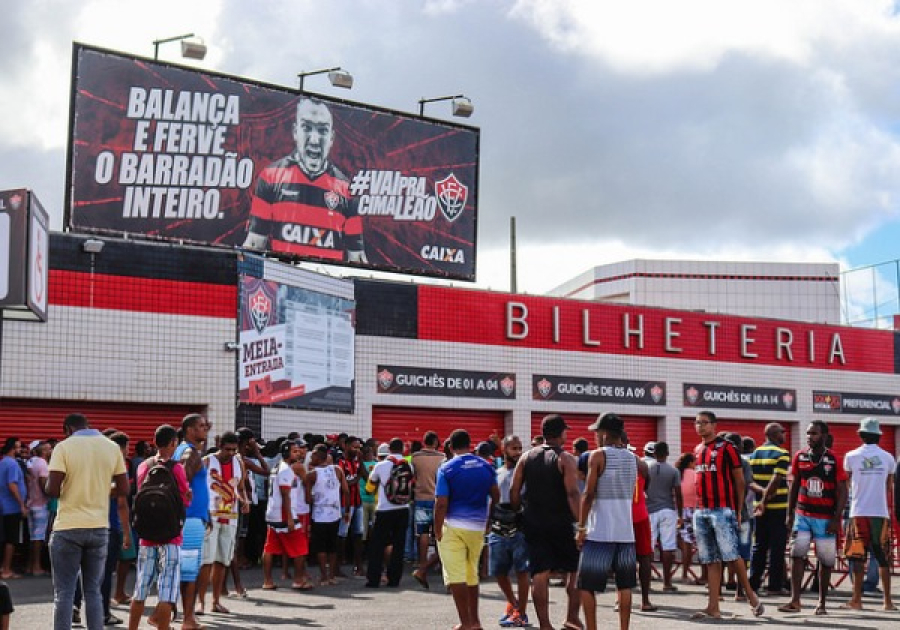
(745, 538)
(38, 519)
(291, 544)
(354, 525)
(807, 529)
(507, 554)
(219, 543)
(12, 528)
(323, 537)
(194, 532)
(423, 515)
(160, 564)
(664, 527)
(598, 559)
(368, 518)
(643, 543)
(129, 553)
(717, 536)
(460, 551)
(687, 526)
(866, 534)
(551, 548)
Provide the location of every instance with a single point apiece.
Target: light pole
(338, 77)
(190, 50)
(462, 106)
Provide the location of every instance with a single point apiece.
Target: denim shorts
(505, 554)
(354, 525)
(423, 515)
(160, 564)
(716, 531)
(745, 538)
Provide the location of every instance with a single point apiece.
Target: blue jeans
(71, 551)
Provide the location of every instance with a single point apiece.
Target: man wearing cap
(605, 531)
(720, 491)
(770, 463)
(871, 472)
(663, 499)
(552, 503)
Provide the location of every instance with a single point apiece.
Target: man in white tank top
(325, 486)
(607, 541)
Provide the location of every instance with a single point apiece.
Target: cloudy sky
(702, 129)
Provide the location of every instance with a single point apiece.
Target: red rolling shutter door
(754, 428)
(640, 429)
(846, 438)
(411, 423)
(30, 419)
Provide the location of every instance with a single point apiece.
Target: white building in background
(807, 292)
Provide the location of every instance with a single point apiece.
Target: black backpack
(158, 513)
(399, 487)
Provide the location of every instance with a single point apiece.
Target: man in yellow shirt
(82, 469)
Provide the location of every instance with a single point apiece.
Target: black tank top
(545, 491)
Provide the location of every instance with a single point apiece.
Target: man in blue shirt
(12, 501)
(465, 491)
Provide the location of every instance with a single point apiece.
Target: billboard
(24, 255)
(296, 347)
(173, 153)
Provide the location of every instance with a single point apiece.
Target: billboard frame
(78, 47)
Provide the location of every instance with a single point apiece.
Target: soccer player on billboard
(302, 204)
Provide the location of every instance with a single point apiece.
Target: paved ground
(349, 605)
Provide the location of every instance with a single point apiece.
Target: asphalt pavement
(349, 605)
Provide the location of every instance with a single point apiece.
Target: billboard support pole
(1, 352)
(513, 283)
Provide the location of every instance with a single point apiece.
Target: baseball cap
(650, 448)
(608, 422)
(553, 425)
(331, 436)
(34, 444)
(301, 443)
(384, 450)
(869, 425)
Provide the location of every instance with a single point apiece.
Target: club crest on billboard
(452, 195)
(260, 308)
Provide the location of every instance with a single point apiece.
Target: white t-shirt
(281, 477)
(381, 474)
(869, 467)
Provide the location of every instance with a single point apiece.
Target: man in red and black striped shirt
(720, 493)
(352, 518)
(302, 204)
(818, 495)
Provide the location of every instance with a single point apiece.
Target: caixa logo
(443, 254)
(306, 235)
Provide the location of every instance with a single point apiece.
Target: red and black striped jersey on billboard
(715, 481)
(303, 216)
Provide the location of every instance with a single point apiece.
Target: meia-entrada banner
(168, 152)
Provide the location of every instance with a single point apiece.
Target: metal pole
(513, 283)
(875, 295)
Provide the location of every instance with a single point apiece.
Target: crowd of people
(188, 513)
